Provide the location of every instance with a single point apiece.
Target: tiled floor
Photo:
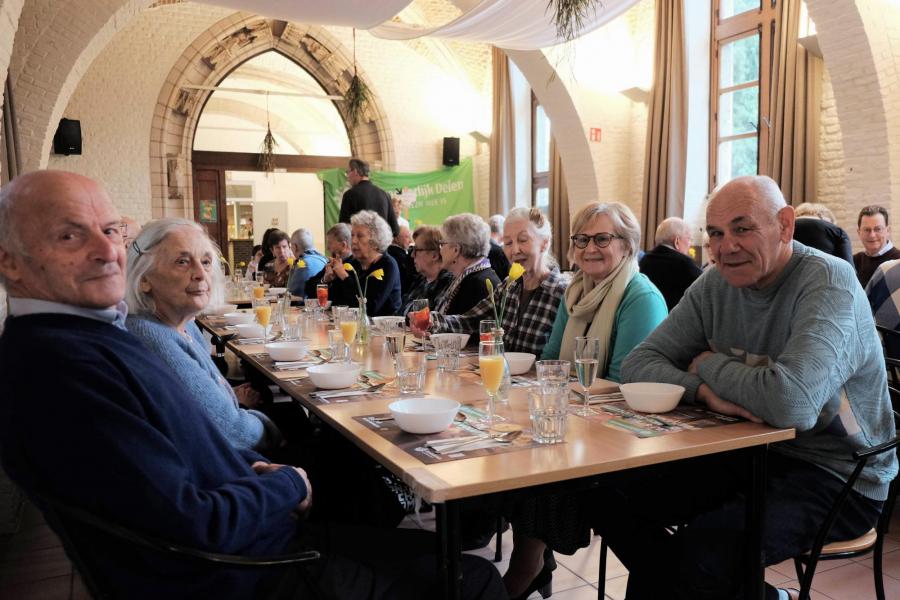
(33, 566)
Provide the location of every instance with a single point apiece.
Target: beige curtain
(796, 92)
(664, 160)
(503, 139)
(559, 208)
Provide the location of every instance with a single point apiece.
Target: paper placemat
(414, 444)
(619, 416)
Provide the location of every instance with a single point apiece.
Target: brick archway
(208, 60)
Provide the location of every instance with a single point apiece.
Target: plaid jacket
(524, 330)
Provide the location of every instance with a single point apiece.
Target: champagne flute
(394, 339)
(491, 364)
(587, 363)
(263, 312)
(420, 317)
(349, 323)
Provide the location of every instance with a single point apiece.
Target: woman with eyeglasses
(607, 299)
(433, 279)
(465, 242)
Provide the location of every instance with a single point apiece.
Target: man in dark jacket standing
(668, 265)
(364, 195)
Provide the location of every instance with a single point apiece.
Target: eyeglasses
(601, 240)
(414, 250)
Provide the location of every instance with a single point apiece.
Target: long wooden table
(590, 451)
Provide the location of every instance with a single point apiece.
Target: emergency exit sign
(594, 134)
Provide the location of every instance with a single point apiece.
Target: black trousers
(705, 559)
(360, 563)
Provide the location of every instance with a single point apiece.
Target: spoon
(504, 437)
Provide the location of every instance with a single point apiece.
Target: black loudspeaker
(451, 151)
(68, 137)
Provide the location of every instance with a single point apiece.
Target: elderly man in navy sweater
(90, 417)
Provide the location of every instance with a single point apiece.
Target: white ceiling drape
(511, 24)
(362, 14)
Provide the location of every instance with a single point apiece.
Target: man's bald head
(751, 228)
(60, 240)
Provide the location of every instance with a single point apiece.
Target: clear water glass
(553, 374)
(548, 408)
(337, 346)
(446, 347)
(587, 364)
(411, 372)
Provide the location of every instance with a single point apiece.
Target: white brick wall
(9, 22)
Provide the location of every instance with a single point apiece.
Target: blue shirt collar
(114, 315)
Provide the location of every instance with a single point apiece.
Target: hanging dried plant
(569, 16)
(267, 149)
(267, 152)
(356, 98)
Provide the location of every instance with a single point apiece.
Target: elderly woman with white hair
(464, 247)
(173, 273)
(533, 292)
(369, 239)
(310, 262)
(608, 299)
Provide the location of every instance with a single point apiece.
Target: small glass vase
(506, 384)
(362, 329)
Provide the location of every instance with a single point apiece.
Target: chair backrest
(62, 516)
(890, 341)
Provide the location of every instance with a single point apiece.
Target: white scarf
(594, 304)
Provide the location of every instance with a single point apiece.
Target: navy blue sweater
(90, 416)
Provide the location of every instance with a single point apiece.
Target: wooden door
(209, 204)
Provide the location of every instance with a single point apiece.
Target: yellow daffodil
(242, 264)
(348, 267)
(379, 274)
(490, 287)
(291, 261)
(301, 264)
(516, 271)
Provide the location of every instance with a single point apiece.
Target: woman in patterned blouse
(532, 300)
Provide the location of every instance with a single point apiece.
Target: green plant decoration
(356, 98)
(267, 149)
(569, 16)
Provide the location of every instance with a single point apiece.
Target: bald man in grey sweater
(778, 333)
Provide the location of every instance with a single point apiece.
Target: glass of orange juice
(263, 316)
(259, 292)
(349, 321)
(491, 364)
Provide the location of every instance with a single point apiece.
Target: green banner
(429, 197)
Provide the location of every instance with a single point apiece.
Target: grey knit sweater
(802, 353)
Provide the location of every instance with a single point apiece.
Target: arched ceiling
(236, 121)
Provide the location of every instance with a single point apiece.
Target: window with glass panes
(743, 31)
(540, 157)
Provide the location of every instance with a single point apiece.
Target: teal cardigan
(642, 308)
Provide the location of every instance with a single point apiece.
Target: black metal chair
(871, 541)
(60, 516)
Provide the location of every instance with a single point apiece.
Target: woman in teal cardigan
(610, 300)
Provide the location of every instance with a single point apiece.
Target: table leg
(449, 549)
(756, 506)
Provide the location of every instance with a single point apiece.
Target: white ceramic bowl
(333, 376)
(382, 322)
(286, 350)
(276, 291)
(249, 330)
(239, 317)
(220, 310)
(463, 338)
(652, 397)
(519, 362)
(424, 415)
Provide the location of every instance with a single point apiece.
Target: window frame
(539, 179)
(763, 22)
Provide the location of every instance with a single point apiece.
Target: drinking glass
(411, 372)
(322, 294)
(338, 347)
(263, 317)
(259, 292)
(548, 408)
(446, 346)
(336, 311)
(349, 323)
(394, 339)
(259, 276)
(491, 364)
(293, 329)
(587, 362)
(487, 330)
(420, 317)
(553, 374)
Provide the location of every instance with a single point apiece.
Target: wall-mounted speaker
(67, 139)
(451, 151)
